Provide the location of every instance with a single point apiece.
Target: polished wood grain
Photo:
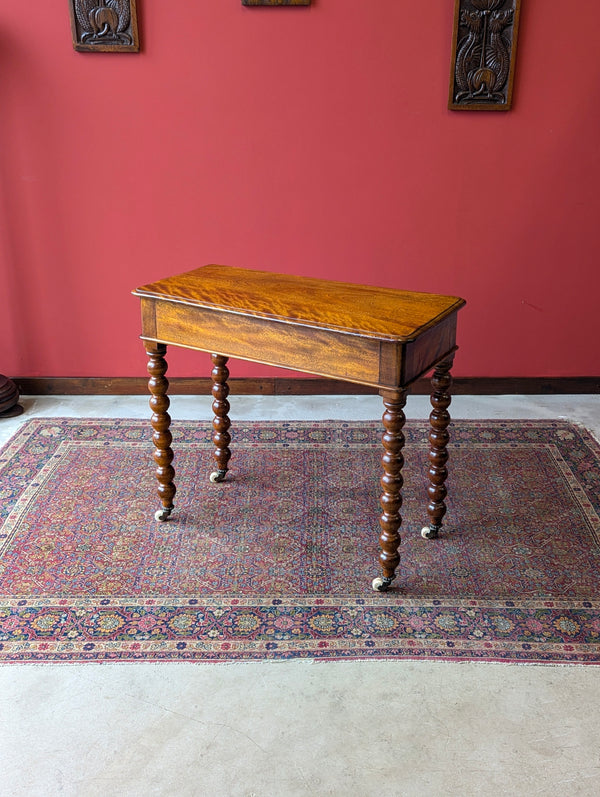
(377, 337)
(391, 483)
(362, 334)
(305, 301)
(161, 421)
(221, 421)
(310, 349)
(439, 421)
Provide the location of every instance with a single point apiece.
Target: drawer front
(313, 350)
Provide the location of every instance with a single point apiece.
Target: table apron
(353, 357)
(428, 349)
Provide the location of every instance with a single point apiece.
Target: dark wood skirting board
(476, 386)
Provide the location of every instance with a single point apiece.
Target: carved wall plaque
(275, 2)
(104, 26)
(484, 48)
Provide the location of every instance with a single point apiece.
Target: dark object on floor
(9, 398)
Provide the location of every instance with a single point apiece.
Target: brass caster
(430, 532)
(381, 584)
(162, 514)
(217, 476)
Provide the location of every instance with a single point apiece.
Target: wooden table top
(381, 313)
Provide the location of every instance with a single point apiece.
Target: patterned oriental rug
(277, 562)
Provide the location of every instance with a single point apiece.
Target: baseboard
(476, 386)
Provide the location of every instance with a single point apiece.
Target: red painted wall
(311, 140)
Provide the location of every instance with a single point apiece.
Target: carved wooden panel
(484, 48)
(275, 2)
(104, 25)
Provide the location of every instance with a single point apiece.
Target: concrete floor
(301, 728)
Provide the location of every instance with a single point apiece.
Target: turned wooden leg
(161, 420)
(391, 483)
(438, 441)
(221, 422)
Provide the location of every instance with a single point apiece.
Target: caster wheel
(429, 533)
(217, 476)
(162, 514)
(381, 584)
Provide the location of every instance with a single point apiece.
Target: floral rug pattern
(277, 561)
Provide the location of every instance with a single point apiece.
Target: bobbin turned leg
(161, 420)
(391, 483)
(221, 422)
(438, 441)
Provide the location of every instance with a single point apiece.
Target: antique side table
(371, 336)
